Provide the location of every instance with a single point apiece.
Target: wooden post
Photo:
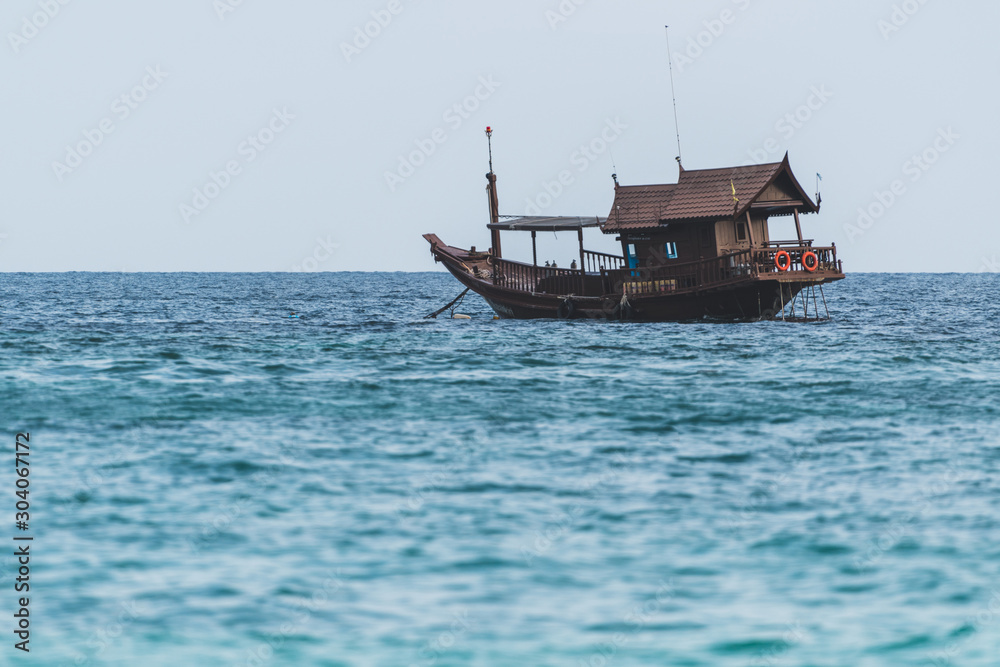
(494, 213)
(583, 270)
(497, 253)
(798, 226)
(749, 229)
(534, 247)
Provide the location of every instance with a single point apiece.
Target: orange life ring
(810, 265)
(783, 261)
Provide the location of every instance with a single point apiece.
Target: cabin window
(671, 251)
(741, 231)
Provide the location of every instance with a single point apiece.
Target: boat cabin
(707, 213)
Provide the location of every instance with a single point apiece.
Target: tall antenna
(673, 91)
(489, 139)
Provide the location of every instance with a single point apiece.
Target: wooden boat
(699, 247)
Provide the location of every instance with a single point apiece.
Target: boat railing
(826, 259)
(701, 274)
(717, 271)
(595, 262)
(536, 279)
(794, 244)
(681, 276)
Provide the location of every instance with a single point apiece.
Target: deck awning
(543, 224)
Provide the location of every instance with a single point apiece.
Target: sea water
(214, 482)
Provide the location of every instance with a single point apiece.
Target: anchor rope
(454, 304)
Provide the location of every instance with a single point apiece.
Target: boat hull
(751, 297)
(751, 301)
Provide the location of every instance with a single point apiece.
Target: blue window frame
(633, 259)
(671, 251)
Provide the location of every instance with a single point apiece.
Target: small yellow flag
(735, 198)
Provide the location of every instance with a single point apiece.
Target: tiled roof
(708, 193)
(702, 193)
(639, 206)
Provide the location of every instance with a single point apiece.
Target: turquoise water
(214, 483)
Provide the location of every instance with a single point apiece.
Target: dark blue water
(214, 483)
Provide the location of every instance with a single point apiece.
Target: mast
(673, 93)
(491, 189)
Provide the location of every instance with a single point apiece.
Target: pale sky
(118, 111)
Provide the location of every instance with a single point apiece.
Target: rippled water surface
(214, 483)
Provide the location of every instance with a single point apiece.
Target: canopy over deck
(546, 224)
